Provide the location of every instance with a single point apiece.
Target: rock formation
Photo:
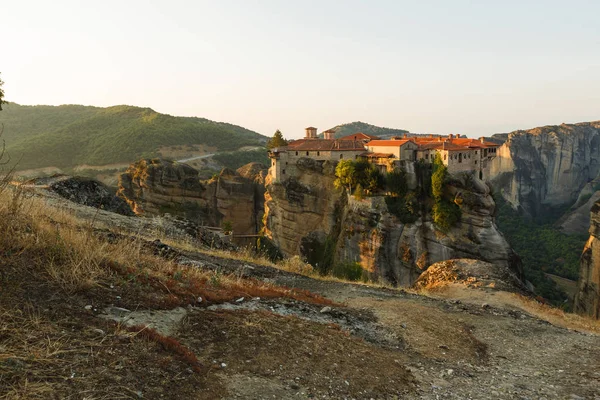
(159, 186)
(85, 191)
(307, 215)
(549, 165)
(470, 273)
(587, 298)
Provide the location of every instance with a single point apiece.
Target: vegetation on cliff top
(69, 135)
(445, 212)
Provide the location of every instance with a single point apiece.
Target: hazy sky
(472, 67)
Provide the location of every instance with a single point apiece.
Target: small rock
(199, 299)
(88, 307)
(239, 300)
(223, 365)
(443, 346)
(485, 305)
(403, 325)
(295, 386)
(450, 371)
(325, 309)
(98, 331)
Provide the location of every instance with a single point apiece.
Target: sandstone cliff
(157, 186)
(549, 165)
(587, 298)
(307, 215)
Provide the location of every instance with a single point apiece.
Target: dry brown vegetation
(54, 269)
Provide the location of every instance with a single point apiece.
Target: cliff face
(156, 186)
(587, 299)
(304, 208)
(308, 215)
(548, 165)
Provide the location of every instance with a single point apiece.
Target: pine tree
(277, 140)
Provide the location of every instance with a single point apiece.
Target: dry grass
(52, 265)
(169, 344)
(503, 299)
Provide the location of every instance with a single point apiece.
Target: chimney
(450, 136)
(311, 132)
(328, 134)
(405, 136)
(482, 139)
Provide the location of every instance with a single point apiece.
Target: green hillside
(69, 135)
(354, 127)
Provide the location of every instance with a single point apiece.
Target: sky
(468, 67)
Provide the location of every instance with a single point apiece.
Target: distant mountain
(354, 127)
(69, 135)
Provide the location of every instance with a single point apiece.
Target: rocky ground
(120, 339)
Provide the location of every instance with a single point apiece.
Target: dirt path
(459, 348)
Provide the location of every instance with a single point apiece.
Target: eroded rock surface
(549, 165)
(471, 273)
(159, 186)
(85, 191)
(587, 298)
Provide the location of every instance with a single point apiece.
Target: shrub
(445, 214)
(396, 183)
(351, 271)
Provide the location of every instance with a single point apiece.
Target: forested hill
(69, 135)
(354, 127)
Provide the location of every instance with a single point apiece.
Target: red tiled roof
(359, 136)
(390, 143)
(324, 145)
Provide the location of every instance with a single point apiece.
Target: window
(283, 171)
(307, 153)
(427, 156)
(444, 157)
(341, 156)
(318, 153)
(475, 162)
(296, 153)
(286, 163)
(475, 152)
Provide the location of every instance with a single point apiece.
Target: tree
(1, 94)
(345, 172)
(277, 140)
(438, 177)
(396, 183)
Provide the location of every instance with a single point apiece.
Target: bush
(351, 271)
(445, 214)
(396, 183)
(405, 208)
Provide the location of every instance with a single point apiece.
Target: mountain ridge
(68, 135)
